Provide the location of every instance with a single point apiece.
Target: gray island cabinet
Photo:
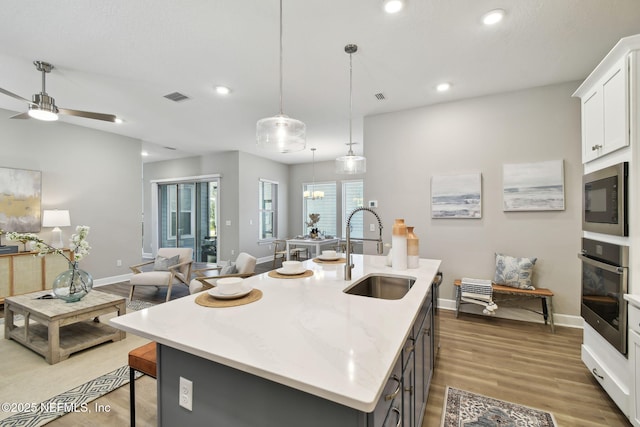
(305, 354)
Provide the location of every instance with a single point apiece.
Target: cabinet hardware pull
(596, 147)
(397, 390)
(596, 374)
(399, 414)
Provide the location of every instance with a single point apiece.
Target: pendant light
(281, 133)
(313, 194)
(351, 164)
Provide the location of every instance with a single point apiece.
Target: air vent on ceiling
(380, 96)
(170, 148)
(176, 97)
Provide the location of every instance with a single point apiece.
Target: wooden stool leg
(458, 296)
(132, 396)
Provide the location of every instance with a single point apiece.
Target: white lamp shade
(281, 134)
(56, 218)
(351, 164)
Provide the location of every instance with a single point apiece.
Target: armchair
(245, 267)
(164, 274)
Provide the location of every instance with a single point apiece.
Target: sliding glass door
(187, 217)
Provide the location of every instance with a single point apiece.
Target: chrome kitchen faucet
(349, 265)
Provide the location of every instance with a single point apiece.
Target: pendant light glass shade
(351, 164)
(281, 133)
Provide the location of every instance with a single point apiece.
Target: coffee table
(55, 329)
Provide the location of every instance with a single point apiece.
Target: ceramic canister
(413, 249)
(399, 245)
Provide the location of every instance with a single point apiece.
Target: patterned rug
(76, 399)
(463, 408)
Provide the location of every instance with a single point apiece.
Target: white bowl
(291, 266)
(229, 285)
(329, 254)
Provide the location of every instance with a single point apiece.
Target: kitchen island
(306, 353)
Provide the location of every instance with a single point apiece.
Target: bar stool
(141, 359)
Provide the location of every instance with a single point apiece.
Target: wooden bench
(545, 295)
(141, 359)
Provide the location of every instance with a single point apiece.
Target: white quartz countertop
(304, 333)
(633, 299)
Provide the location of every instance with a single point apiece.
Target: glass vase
(72, 285)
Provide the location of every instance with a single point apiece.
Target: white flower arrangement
(79, 245)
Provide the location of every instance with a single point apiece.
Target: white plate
(329, 258)
(290, 273)
(215, 292)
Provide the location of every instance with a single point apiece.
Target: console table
(55, 329)
(25, 272)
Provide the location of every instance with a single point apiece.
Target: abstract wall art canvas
(533, 186)
(20, 191)
(456, 196)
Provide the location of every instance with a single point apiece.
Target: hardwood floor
(516, 361)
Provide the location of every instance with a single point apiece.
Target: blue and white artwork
(533, 186)
(456, 196)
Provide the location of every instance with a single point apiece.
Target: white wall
(404, 149)
(95, 175)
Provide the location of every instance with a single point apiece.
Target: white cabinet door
(615, 108)
(634, 357)
(592, 126)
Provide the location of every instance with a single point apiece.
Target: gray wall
(404, 149)
(238, 194)
(95, 175)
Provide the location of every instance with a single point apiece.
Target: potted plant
(314, 218)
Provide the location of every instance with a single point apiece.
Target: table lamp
(56, 218)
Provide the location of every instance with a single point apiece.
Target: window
(325, 206)
(353, 197)
(181, 205)
(268, 209)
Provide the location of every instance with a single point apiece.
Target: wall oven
(605, 200)
(604, 283)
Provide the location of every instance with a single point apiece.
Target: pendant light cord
(350, 102)
(281, 57)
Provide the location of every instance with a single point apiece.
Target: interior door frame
(155, 236)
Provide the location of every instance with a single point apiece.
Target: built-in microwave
(604, 200)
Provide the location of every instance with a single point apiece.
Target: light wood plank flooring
(515, 361)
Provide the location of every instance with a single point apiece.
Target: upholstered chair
(244, 266)
(171, 266)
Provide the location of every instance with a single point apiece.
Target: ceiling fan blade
(13, 95)
(88, 115)
(21, 116)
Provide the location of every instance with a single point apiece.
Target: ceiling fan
(43, 107)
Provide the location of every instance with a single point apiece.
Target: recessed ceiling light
(223, 90)
(144, 153)
(393, 6)
(493, 17)
(443, 87)
(118, 120)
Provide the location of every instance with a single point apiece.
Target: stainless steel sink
(384, 286)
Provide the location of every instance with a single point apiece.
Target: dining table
(317, 243)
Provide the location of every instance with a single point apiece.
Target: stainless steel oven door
(603, 305)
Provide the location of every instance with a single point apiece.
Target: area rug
(36, 392)
(463, 408)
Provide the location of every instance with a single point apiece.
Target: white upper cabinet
(608, 96)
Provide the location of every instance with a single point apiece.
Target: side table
(55, 329)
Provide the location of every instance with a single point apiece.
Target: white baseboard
(111, 280)
(515, 314)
